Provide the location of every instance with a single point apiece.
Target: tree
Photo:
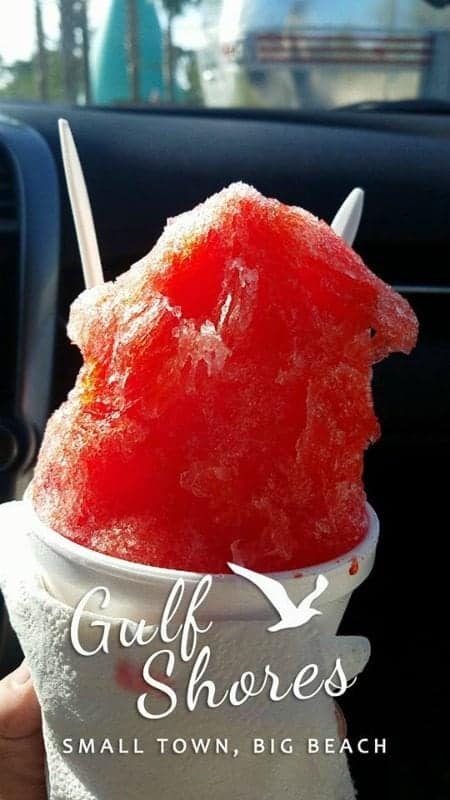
(172, 8)
(20, 81)
(132, 48)
(41, 52)
(57, 70)
(74, 44)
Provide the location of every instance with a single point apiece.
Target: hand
(341, 722)
(22, 755)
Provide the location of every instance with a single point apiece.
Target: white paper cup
(139, 592)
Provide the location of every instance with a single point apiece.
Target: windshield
(283, 54)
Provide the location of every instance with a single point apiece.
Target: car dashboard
(142, 167)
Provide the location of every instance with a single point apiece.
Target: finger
(22, 756)
(341, 722)
(20, 715)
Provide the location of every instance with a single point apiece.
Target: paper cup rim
(112, 566)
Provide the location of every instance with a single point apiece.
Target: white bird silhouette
(291, 616)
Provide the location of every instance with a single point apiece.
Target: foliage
(194, 94)
(19, 80)
(174, 8)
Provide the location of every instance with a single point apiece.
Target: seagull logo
(291, 616)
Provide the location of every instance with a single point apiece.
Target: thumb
(22, 756)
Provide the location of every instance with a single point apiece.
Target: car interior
(143, 165)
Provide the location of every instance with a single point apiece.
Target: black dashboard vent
(9, 273)
(29, 265)
(8, 204)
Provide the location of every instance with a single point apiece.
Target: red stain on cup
(354, 567)
(297, 575)
(129, 676)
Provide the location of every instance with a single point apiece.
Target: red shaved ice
(224, 404)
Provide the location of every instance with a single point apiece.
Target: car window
(291, 54)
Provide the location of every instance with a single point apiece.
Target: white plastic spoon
(347, 219)
(81, 208)
(345, 222)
